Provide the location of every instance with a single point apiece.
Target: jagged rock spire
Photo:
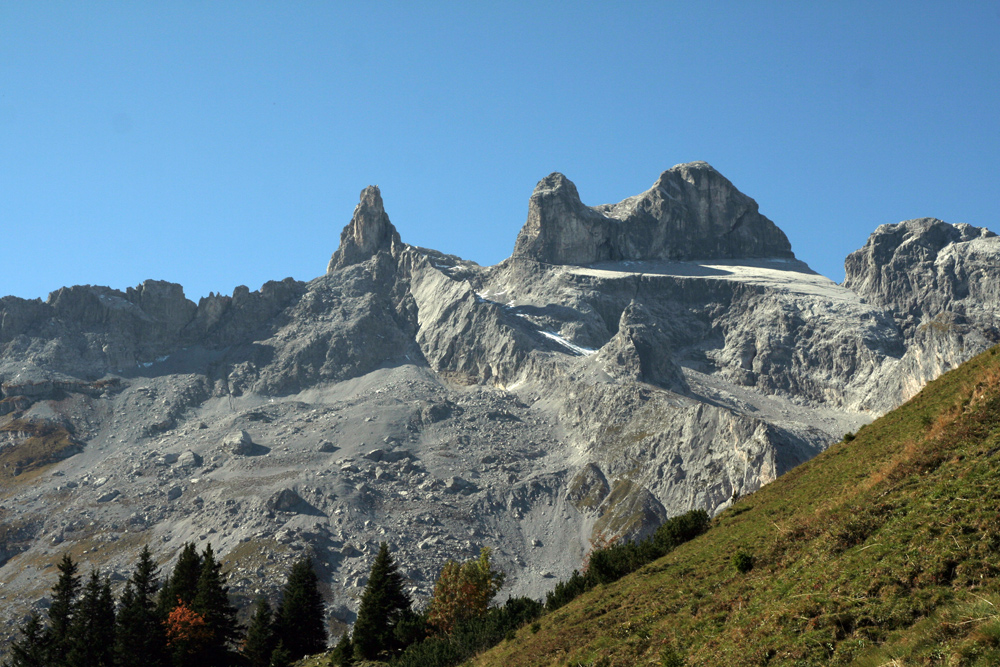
(691, 212)
(368, 232)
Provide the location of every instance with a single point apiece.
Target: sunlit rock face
(691, 212)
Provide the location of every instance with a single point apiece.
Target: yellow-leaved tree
(463, 591)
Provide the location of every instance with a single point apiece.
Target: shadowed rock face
(368, 232)
(691, 212)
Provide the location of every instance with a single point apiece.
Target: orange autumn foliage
(463, 590)
(186, 627)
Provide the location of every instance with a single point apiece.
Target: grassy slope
(882, 551)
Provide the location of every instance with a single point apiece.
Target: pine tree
(343, 653)
(61, 613)
(299, 622)
(183, 582)
(211, 601)
(383, 603)
(280, 657)
(260, 641)
(140, 640)
(30, 649)
(92, 633)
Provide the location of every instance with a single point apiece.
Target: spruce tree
(211, 601)
(61, 613)
(92, 633)
(260, 641)
(343, 653)
(183, 582)
(140, 640)
(280, 657)
(383, 604)
(30, 649)
(299, 622)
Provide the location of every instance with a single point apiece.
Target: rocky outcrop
(641, 351)
(691, 212)
(368, 232)
(941, 285)
(919, 269)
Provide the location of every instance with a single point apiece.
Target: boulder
(286, 500)
(241, 444)
(109, 496)
(189, 459)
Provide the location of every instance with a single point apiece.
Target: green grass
(881, 551)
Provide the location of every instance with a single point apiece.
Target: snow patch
(576, 349)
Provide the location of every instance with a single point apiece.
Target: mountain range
(627, 363)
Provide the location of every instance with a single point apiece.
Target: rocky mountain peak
(368, 232)
(691, 212)
(922, 267)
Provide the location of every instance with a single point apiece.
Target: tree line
(190, 621)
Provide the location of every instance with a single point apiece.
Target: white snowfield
(789, 274)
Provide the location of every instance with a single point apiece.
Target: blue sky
(224, 143)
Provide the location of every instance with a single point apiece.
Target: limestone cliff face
(691, 212)
(941, 285)
(368, 232)
(924, 267)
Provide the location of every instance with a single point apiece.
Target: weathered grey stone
(189, 459)
(241, 444)
(109, 496)
(588, 489)
(286, 500)
(641, 351)
(691, 212)
(457, 484)
(368, 232)
(687, 382)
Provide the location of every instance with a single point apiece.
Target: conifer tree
(260, 641)
(343, 653)
(183, 582)
(92, 633)
(299, 622)
(30, 649)
(383, 604)
(140, 640)
(211, 601)
(61, 613)
(280, 657)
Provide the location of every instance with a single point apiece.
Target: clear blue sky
(224, 143)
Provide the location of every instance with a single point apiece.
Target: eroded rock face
(368, 232)
(641, 351)
(921, 268)
(940, 283)
(691, 212)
